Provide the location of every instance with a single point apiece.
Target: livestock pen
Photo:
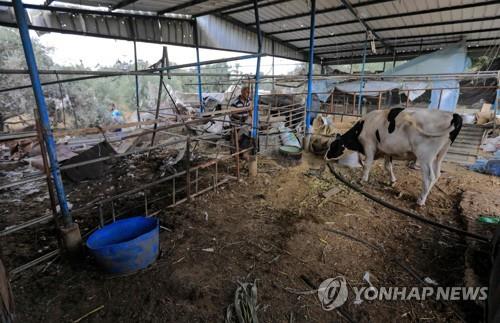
(247, 230)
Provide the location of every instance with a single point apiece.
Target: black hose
(405, 212)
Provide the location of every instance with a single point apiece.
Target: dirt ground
(273, 230)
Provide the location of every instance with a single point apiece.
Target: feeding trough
(126, 245)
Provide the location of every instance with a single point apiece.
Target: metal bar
(106, 74)
(361, 81)
(122, 4)
(196, 181)
(365, 24)
(180, 6)
(101, 216)
(92, 12)
(221, 9)
(391, 16)
(22, 21)
(255, 114)
(188, 168)
(198, 67)
(46, 168)
(137, 103)
(429, 24)
(29, 223)
(402, 45)
(158, 100)
(497, 101)
(224, 181)
(261, 5)
(311, 67)
(322, 11)
(469, 31)
(173, 190)
(35, 262)
(237, 156)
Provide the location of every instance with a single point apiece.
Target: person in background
(243, 120)
(116, 116)
(242, 101)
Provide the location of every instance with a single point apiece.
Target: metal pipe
(255, 114)
(46, 168)
(495, 106)
(22, 21)
(147, 71)
(136, 83)
(198, 67)
(311, 67)
(361, 85)
(158, 101)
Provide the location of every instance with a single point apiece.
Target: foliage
(89, 100)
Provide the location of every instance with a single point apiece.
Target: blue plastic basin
(126, 245)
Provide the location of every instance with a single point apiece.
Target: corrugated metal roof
(400, 24)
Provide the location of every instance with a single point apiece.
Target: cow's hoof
(420, 202)
(393, 183)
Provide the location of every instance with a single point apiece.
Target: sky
(96, 52)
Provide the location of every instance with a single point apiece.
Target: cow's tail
(456, 122)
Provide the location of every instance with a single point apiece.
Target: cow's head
(336, 149)
(348, 140)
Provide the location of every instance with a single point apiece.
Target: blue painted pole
(311, 67)
(255, 114)
(198, 66)
(22, 22)
(361, 80)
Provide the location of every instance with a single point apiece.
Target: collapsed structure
(187, 144)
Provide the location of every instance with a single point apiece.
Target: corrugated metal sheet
(153, 29)
(290, 20)
(158, 5)
(215, 32)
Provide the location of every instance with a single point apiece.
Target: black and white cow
(407, 134)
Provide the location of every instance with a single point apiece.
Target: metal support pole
(22, 21)
(136, 84)
(361, 80)
(272, 53)
(495, 105)
(252, 163)
(255, 114)
(198, 67)
(311, 68)
(158, 101)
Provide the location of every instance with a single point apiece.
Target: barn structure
(182, 155)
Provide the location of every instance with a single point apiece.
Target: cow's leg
(428, 180)
(439, 160)
(369, 156)
(388, 168)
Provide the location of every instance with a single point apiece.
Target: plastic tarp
(452, 59)
(371, 88)
(323, 88)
